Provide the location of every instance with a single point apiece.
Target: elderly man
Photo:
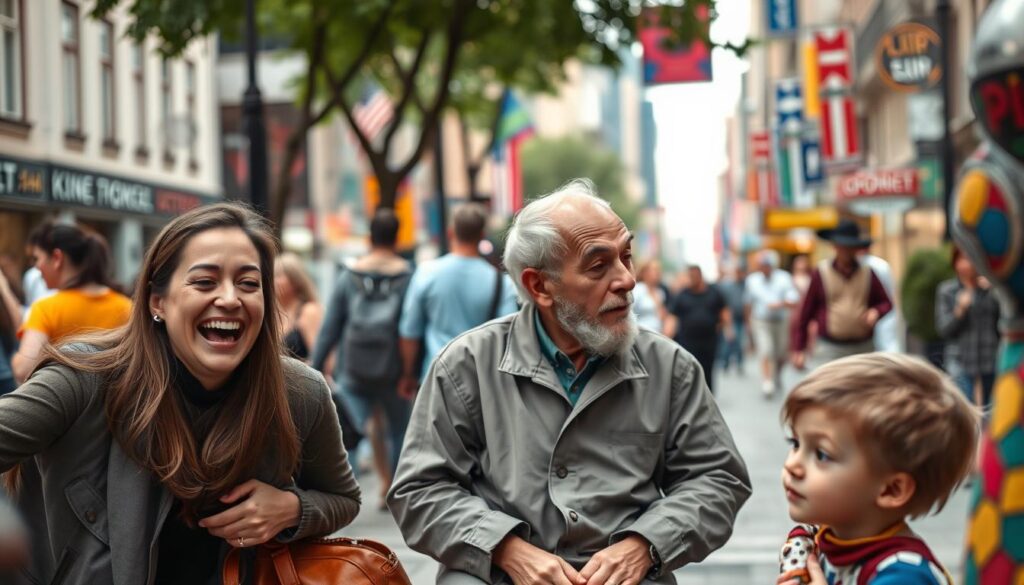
(561, 444)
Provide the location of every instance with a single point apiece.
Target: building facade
(99, 129)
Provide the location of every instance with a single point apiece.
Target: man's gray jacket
(495, 446)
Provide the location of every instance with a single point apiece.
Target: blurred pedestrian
(770, 294)
(10, 320)
(301, 313)
(183, 434)
(75, 260)
(700, 313)
(649, 297)
(564, 444)
(362, 328)
(967, 317)
(845, 299)
(732, 287)
(800, 270)
(887, 334)
(450, 296)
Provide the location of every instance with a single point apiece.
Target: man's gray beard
(594, 336)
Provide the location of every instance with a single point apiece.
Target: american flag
(373, 113)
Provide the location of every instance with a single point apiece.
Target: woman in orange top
(76, 261)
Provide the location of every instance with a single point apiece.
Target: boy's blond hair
(906, 414)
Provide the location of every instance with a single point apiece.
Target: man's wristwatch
(655, 561)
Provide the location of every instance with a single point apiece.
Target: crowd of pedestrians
(552, 422)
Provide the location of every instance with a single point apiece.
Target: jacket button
(574, 516)
(90, 516)
(561, 472)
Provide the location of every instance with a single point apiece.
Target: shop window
(166, 109)
(11, 79)
(107, 91)
(72, 78)
(139, 94)
(190, 105)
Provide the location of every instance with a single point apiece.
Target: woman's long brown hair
(254, 423)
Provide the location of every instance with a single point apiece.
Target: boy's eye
(793, 443)
(821, 455)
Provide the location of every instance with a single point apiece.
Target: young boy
(876, 438)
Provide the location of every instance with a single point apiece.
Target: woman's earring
(157, 318)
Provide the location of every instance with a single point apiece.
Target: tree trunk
(388, 183)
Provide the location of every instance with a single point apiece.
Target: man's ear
(538, 285)
(897, 491)
(57, 257)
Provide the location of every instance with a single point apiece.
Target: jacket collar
(523, 357)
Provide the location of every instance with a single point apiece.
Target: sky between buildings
(690, 153)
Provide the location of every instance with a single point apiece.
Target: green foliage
(925, 270)
(550, 163)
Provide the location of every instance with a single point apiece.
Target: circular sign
(909, 57)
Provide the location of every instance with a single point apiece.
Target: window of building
(165, 105)
(190, 104)
(139, 91)
(69, 34)
(10, 59)
(107, 92)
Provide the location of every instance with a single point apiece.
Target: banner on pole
(668, 63)
(840, 140)
(782, 17)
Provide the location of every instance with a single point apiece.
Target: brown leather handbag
(324, 561)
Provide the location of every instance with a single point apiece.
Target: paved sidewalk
(750, 557)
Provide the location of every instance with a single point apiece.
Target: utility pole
(942, 12)
(252, 118)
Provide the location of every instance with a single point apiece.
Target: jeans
(966, 384)
(730, 350)
(396, 409)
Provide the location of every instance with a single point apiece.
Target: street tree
(549, 163)
(428, 56)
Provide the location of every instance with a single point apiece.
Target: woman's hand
(262, 513)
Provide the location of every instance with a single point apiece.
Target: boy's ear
(897, 491)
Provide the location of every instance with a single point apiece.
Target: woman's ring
(241, 541)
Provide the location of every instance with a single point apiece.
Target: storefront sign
(668, 62)
(908, 57)
(22, 179)
(879, 191)
(93, 190)
(840, 141)
(44, 183)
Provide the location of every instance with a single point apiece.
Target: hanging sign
(880, 190)
(908, 57)
(840, 142)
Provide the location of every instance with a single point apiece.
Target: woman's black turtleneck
(191, 555)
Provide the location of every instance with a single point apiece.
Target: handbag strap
(492, 312)
(284, 566)
(230, 572)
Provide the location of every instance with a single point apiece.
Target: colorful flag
(373, 113)
(514, 128)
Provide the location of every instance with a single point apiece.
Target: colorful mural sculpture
(989, 227)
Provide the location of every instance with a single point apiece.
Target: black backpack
(370, 341)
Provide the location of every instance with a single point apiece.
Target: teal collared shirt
(573, 382)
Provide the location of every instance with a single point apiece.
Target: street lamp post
(252, 118)
(942, 11)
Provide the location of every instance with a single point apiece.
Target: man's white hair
(534, 241)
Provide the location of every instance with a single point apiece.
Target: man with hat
(845, 298)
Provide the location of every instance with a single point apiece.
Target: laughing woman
(147, 452)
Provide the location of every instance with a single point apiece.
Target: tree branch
(456, 29)
(408, 88)
(400, 72)
(338, 85)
